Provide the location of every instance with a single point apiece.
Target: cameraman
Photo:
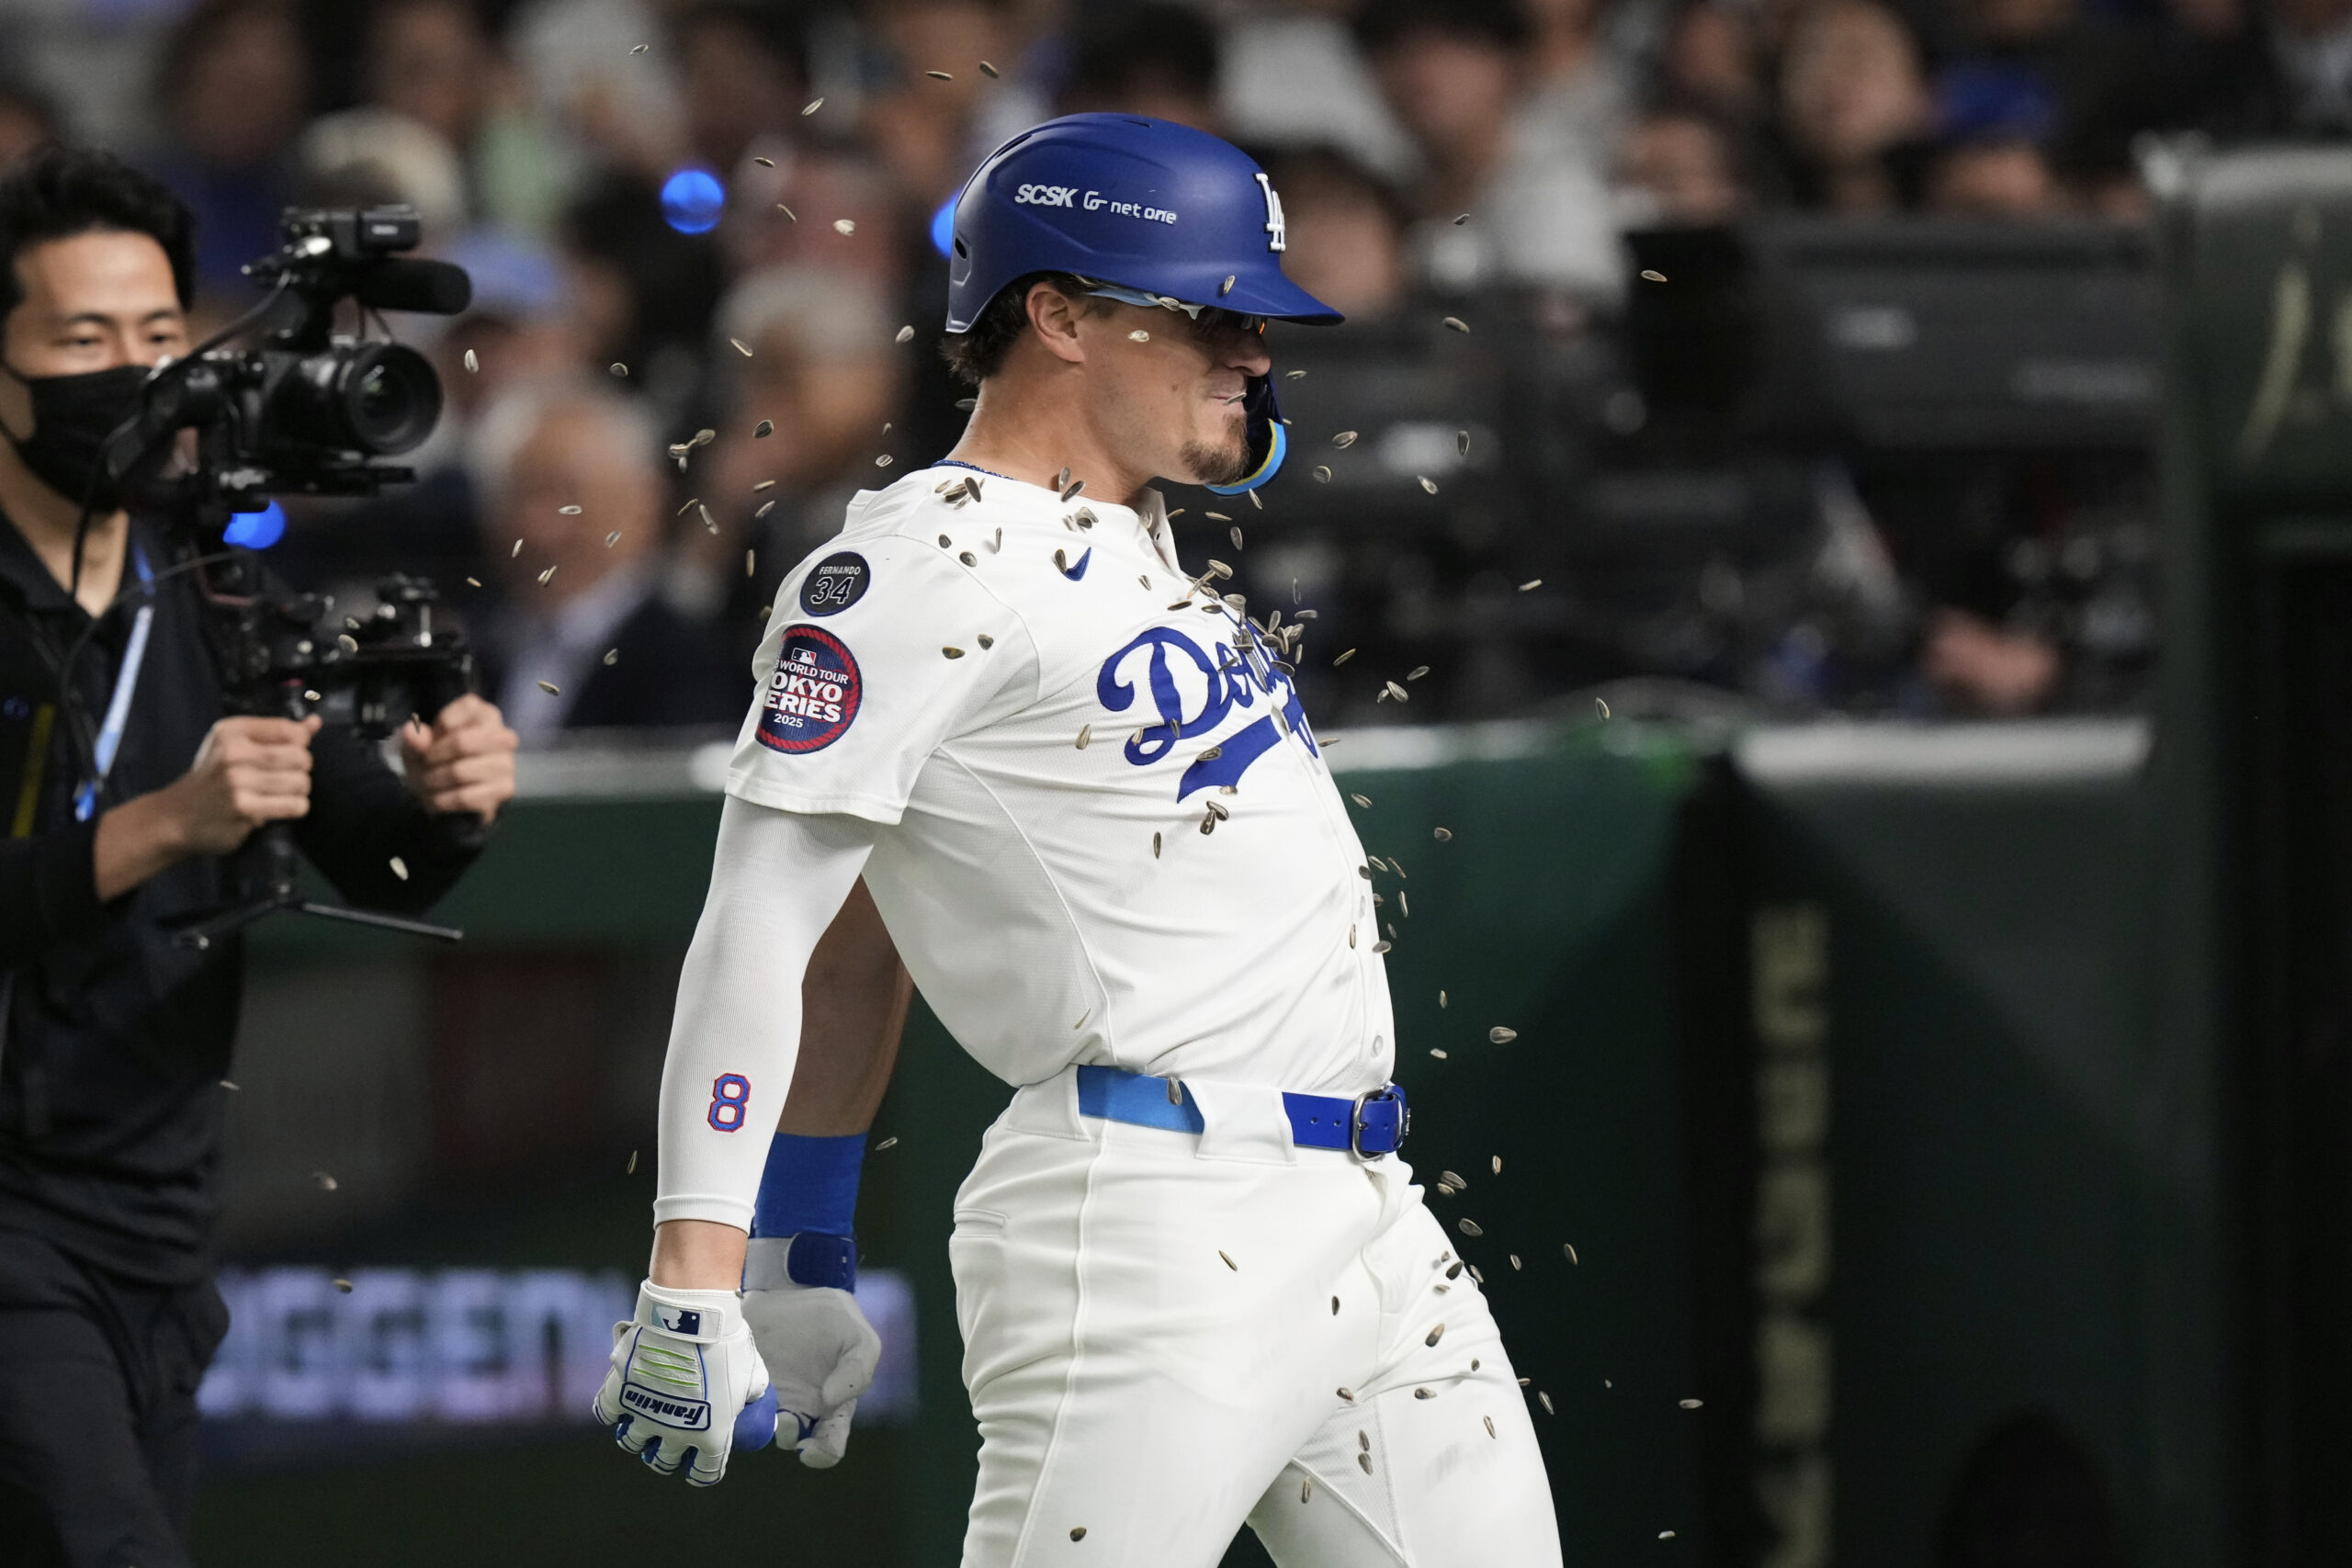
(116, 805)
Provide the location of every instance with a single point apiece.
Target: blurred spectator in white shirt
(1290, 75)
(1456, 73)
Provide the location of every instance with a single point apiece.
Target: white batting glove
(687, 1385)
(813, 1337)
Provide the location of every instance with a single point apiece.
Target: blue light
(256, 530)
(943, 227)
(692, 201)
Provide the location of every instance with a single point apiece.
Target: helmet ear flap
(1268, 442)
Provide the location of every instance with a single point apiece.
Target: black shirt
(115, 1040)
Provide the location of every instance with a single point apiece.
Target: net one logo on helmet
(813, 696)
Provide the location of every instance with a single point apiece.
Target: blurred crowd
(704, 234)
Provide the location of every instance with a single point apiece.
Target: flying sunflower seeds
(1397, 692)
(1425, 1393)
(568, 510)
(1441, 998)
(1343, 658)
(812, 106)
(1237, 538)
(1690, 1404)
(641, 49)
(1650, 275)
(883, 461)
(1501, 1036)
(400, 868)
(1305, 1490)
(987, 71)
(515, 551)
(1442, 835)
(550, 688)
(473, 364)
(612, 655)
(844, 227)
(761, 431)
(952, 653)
(885, 1144)
(1155, 846)
(1069, 492)
(1547, 1403)
(1456, 323)
(610, 541)
(1514, 1262)
(765, 162)
(1364, 1462)
(343, 1286)
(944, 76)
(1464, 218)
(1470, 1227)
(1531, 584)
(1229, 1263)
(789, 216)
(1462, 443)
(1428, 483)
(1077, 1532)
(1419, 670)
(1439, 1053)
(1439, 1332)
(1345, 438)
(1362, 800)
(1569, 1248)
(905, 335)
(1600, 705)
(1139, 336)
(741, 347)
(1322, 473)
(1490, 1424)
(987, 642)
(750, 568)
(630, 1169)
(1225, 287)
(326, 1183)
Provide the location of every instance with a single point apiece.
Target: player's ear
(1054, 316)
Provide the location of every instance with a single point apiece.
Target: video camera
(311, 410)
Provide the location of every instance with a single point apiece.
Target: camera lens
(378, 398)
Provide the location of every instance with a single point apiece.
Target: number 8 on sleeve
(729, 1093)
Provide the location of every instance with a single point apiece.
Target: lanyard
(126, 682)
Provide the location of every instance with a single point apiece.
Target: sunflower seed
(1452, 1181)
(1531, 583)
(1082, 1018)
(1690, 1404)
(967, 404)
(765, 162)
(1305, 1490)
(944, 76)
(987, 71)
(1457, 323)
(1663, 1535)
(1212, 754)
(550, 688)
(617, 369)
(952, 653)
(1254, 501)
(1442, 835)
(1225, 287)
(1441, 998)
(1346, 1395)
(1218, 568)
(1514, 1261)
(1425, 1393)
(400, 868)
(1439, 1053)
(1322, 472)
(473, 364)
(1462, 443)
(1229, 1263)
(1461, 221)
(844, 227)
(1362, 800)
(1501, 1036)
(343, 1285)
(1470, 1227)
(1419, 670)
(612, 655)
(1335, 1306)
(1428, 483)
(1439, 1332)
(1061, 480)
(987, 642)
(326, 1182)
(1398, 692)
(1343, 658)
(1218, 517)
(1069, 492)
(1352, 936)
(641, 49)
(630, 1169)
(1077, 1532)
(1155, 846)
(1490, 1424)
(1237, 539)
(905, 335)
(515, 551)
(1345, 438)
(790, 216)
(741, 347)
(1547, 1403)
(1570, 1249)
(1652, 276)
(1139, 336)
(1364, 1461)
(812, 106)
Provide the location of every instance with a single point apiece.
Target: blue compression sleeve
(811, 1184)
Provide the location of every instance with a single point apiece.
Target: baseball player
(1004, 735)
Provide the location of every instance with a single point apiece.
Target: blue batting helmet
(1146, 205)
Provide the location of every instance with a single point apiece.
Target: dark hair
(975, 356)
(1384, 23)
(1157, 42)
(55, 192)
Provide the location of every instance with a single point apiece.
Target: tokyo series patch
(812, 698)
(837, 583)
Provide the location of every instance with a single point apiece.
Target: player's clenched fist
(816, 1342)
(248, 772)
(686, 1386)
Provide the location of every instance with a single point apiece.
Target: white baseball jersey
(932, 668)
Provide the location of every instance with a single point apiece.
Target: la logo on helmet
(1273, 213)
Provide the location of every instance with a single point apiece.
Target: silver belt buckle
(1355, 1122)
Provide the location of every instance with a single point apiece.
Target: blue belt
(1373, 1124)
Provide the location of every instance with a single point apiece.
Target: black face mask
(72, 416)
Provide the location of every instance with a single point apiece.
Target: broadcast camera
(311, 410)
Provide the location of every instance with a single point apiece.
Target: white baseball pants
(1169, 1333)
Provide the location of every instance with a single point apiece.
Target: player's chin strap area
(1269, 443)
